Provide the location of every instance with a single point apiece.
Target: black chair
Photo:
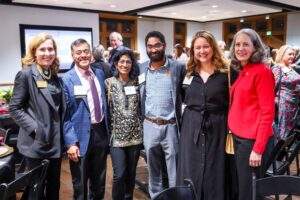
(281, 156)
(186, 192)
(275, 185)
(32, 182)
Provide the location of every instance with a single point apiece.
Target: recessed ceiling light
(244, 11)
(112, 6)
(204, 17)
(140, 17)
(242, 20)
(174, 13)
(214, 6)
(267, 17)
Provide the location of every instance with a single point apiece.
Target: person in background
(287, 92)
(251, 110)
(99, 62)
(38, 106)
(204, 121)
(85, 124)
(126, 131)
(116, 42)
(106, 56)
(187, 51)
(222, 46)
(160, 88)
(179, 54)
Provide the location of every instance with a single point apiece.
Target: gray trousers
(160, 141)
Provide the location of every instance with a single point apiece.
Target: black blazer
(32, 108)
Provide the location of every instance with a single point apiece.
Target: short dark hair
(156, 34)
(134, 72)
(78, 42)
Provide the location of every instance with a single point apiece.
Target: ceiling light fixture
(244, 11)
(112, 6)
(174, 13)
(214, 6)
(242, 20)
(267, 17)
(140, 17)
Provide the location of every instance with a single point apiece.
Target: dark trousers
(124, 161)
(52, 181)
(242, 149)
(91, 167)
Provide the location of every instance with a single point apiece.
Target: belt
(161, 121)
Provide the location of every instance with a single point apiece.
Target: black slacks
(91, 167)
(242, 149)
(124, 161)
(52, 181)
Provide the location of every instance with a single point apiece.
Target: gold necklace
(43, 74)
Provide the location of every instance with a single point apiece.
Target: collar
(80, 71)
(164, 66)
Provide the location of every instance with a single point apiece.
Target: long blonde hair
(218, 59)
(29, 58)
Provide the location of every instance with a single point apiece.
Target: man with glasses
(85, 124)
(160, 87)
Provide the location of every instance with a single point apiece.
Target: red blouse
(251, 111)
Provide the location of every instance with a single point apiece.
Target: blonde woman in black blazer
(37, 106)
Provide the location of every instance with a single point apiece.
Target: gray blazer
(33, 108)
(177, 75)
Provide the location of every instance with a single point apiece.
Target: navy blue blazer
(78, 118)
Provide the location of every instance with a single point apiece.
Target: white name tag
(130, 90)
(142, 78)
(79, 90)
(187, 81)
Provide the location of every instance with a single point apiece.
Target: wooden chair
(275, 185)
(32, 182)
(186, 192)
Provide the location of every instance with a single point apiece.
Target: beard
(159, 56)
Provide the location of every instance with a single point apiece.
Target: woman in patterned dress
(125, 124)
(287, 91)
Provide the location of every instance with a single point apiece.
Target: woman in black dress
(204, 124)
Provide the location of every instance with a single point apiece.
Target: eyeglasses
(156, 46)
(127, 62)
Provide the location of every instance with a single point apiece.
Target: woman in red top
(251, 110)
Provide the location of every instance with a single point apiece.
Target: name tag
(41, 84)
(79, 90)
(130, 90)
(142, 78)
(187, 81)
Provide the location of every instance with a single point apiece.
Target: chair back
(280, 160)
(31, 181)
(275, 185)
(186, 192)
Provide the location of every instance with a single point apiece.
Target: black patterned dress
(124, 114)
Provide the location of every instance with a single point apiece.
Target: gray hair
(118, 35)
(258, 56)
(98, 52)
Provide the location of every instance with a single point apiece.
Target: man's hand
(73, 152)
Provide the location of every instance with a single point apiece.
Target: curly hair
(218, 59)
(134, 72)
(30, 58)
(258, 56)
